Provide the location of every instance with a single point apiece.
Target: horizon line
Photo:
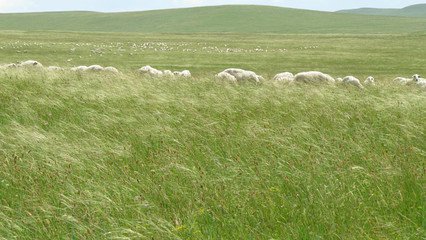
(206, 6)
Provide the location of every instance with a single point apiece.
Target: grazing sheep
(403, 80)
(242, 75)
(186, 74)
(54, 68)
(226, 76)
(95, 68)
(370, 81)
(30, 63)
(313, 77)
(284, 77)
(352, 81)
(111, 69)
(168, 73)
(79, 68)
(183, 74)
(11, 65)
(419, 80)
(151, 71)
(339, 80)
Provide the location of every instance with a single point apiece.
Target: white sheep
(370, 81)
(95, 68)
(352, 81)
(30, 63)
(151, 71)
(186, 74)
(242, 75)
(183, 74)
(168, 73)
(11, 65)
(284, 77)
(111, 69)
(79, 68)
(403, 80)
(419, 80)
(339, 80)
(226, 76)
(313, 77)
(54, 68)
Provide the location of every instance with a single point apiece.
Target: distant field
(384, 56)
(102, 156)
(235, 19)
(418, 10)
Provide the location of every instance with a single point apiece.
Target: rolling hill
(230, 18)
(418, 10)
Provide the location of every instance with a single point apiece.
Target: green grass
(98, 156)
(383, 56)
(235, 19)
(418, 10)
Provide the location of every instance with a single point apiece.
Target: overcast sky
(137, 5)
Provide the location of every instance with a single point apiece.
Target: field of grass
(418, 10)
(383, 56)
(101, 156)
(234, 19)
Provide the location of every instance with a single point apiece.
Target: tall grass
(86, 156)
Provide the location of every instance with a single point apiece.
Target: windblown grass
(101, 156)
(125, 157)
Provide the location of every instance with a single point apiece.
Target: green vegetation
(98, 156)
(235, 19)
(383, 56)
(418, 10)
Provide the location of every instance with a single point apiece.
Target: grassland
(233, 19)
(418, 10)
(384, 56)
(99, 156)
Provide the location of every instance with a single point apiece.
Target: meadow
(104, 156)
(220, 19)
(417, 10)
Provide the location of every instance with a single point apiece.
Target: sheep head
(416, 77)
(145, 69)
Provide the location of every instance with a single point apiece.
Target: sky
(7, 6)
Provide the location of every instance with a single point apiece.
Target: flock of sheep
(97, 68)
(166, 73)
(235, 75)
(232, 75)
(32, 63)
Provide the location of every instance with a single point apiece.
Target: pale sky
(139, 5)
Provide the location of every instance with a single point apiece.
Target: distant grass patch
(383, 56)
(217, 19)
(418, 10)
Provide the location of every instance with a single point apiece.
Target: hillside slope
(238, 19)
(418, 10)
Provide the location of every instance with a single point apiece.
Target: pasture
(219, 19)
(104, 156)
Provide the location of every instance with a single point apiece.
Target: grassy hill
(418, 10)
(237, 19)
